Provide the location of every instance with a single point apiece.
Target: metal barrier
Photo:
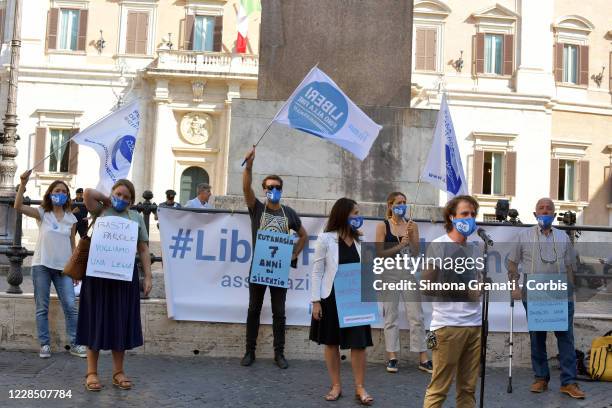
(16, 253)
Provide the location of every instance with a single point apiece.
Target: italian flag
(247, 7)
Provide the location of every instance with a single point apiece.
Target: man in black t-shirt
(270, 216)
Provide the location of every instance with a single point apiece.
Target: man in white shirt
(455, 322)
(202, 199)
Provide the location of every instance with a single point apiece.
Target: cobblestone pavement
(198, 381)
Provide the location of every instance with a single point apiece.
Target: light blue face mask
(545, 221)
(274, 195)
(466, 226)
(59, 199)
(355, 221)
(400, 210)
(118, 204)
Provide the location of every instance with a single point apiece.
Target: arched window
(191, 177)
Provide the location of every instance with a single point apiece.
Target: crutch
(511, 343)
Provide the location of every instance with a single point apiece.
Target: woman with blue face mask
(338, 244)
(54, 246)
(109, 310)
(396, 235)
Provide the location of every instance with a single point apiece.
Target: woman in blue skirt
(109, 309)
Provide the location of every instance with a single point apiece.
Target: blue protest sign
(351, 310)
(272, 259)
(547, 298)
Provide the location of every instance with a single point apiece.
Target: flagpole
(72, 137)
(260, 138)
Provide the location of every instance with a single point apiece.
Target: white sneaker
(78, 350)
(45, 351)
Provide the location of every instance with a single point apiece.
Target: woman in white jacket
(338, 244)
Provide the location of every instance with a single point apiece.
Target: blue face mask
(400, 210)
(355, 221)
(274, 195)
(118, 204)
(545, 221)
(466, 226)
(59, 199)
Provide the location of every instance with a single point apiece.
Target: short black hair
(170, 193)
(79, 190)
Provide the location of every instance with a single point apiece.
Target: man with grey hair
(545, 250)
(202, 199)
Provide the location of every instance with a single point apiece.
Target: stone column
(534, 75)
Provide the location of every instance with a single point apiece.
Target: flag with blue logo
(113, 138)
(443, 168)
(319, 107)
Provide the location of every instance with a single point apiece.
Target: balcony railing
(204, 61)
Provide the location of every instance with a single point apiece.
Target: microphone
(484, 236)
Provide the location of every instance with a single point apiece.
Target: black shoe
(280, 360)
(426, 366)
(248, 359)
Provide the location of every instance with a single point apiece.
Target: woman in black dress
(338, 244)
(109, 310)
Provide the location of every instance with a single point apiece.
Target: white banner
(113, 248)
(207, 258)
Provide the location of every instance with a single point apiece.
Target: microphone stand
(484, 328)
(511, 344)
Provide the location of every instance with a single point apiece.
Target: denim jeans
(42, 278)
(565, 344)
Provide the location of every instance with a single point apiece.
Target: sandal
(365, 398)
(93, 385)
(124, 384)
(330, 396)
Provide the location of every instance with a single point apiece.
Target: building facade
(529, 88)
(79, 58)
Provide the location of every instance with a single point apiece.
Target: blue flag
(443, 168)
(319, 107)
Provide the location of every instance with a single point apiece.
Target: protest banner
(351, 310)
(272, 259)
(113, 248)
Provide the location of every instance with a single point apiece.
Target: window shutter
(130, 36)
(2, 17)
(508, 54)
(430, 49)
(142, 33)
(82, 40)
(420, 49)
(189, 24)
(510, 182)
(584, 180)
(558, 61)
(39, 149)
(583, 62)
(218, 37)
(479, 61)
(478, 172)
(52, 21)
(610, 71)
(73, 152)
(554, 179)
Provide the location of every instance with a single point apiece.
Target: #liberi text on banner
(272, 259)
(113, 248)
(319, 107)
(347, 287)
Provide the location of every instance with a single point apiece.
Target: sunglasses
(273, 186)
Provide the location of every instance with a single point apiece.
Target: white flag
(114, 139)
(319, 107)
(443, 168)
